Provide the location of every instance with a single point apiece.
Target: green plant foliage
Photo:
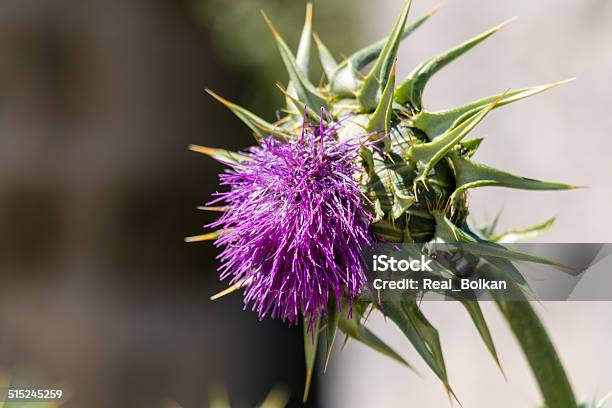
(416, 177)
(244, 44)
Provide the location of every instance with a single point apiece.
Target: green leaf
(345, 78)
(390, 186)
(305, 90)
(297, 107)
(355, 329)
(411, 90)
(523, 234)
(311, 339)
(470, 146)
(331, 328)
(328, 62)
(435, 124)
(221, 155)
(489, 229)
(259, 126)
(473, 309)
(421, 334)
(302, 58)
(401, 203)
(377, 78)
(496, 255)
(380, 121)
(427, 155)
(448, 232)
(469, 174)
(526, 325)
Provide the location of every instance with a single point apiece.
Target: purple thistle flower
(294, 224)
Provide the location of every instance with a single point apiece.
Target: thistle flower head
(294, 224)
(295, 220)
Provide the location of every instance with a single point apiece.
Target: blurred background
(98, 101)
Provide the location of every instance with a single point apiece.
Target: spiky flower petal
(295, 223)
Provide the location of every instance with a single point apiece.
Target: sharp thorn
(201, 149)
(220, 98)
(204, 237)
(308, 21)
(555, 84)
(505, 23)
(435, 8)
(272, 28)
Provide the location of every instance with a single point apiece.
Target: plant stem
(540, 352)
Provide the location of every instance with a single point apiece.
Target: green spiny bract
(416, 174)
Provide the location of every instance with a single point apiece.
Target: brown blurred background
(98, 101)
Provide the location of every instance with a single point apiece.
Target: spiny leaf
(302, 58)
(469, 174)
(473, 309)
(390, 186)
(496, 256)
(411, 90)
(427, 155)
(259, 126)
(353, 328)
(377, 77)
(421, 334)
(311, 339)
(504, 269)
(528, 330)
(380, 121)
(331, 327)
(470, 146)
(493, 225)
(368, 54)
(345, 78)
(446, 231)
(328, 62)
(434, 124)
(298, 106)
(305, 90)
(221, 155)
(523, 234)
(486, 230)
(400, 204)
